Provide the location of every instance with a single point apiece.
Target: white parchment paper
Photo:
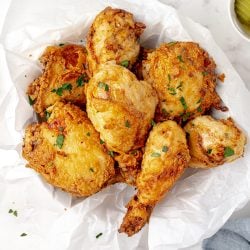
(197, 206)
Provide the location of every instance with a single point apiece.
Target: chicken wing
(113, 37)
(184, 77)
(63, 78)
(165, 158)
(66, 150)
(213, 142)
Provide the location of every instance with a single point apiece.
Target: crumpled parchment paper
(197, 206)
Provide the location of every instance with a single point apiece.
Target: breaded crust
(214, 142)
(67, 152)
(120, 107)
(63, 78)
(114, 38)
(184, 77)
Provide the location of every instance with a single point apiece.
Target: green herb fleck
(23, 234)
(180, 58)
(81, 80)
(199, 109)
(111, 153)
(134, 152)
(92, 170)
(169, 78)
(199, 101)
(183, 102)
(11, 211)
(101, 141)
(104, 86)
(155, 154)
(180, 86)
(164, 149)
(185, 116)
(172, 91)
(171, 43)
(65, 86)
(127, 124)
(98, 235)
(15, 213)
(153, 123)
(228, 152)
(88, 134)
(204, 73)
(61, 44)
(125, 63)
(31, 101)
(59, 141)
(209, 151)
(164, 111)
(47, 114)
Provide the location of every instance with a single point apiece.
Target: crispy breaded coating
(164, 161)
(214, 142)
(184, 77)
(67, 152)
(113, 37)
(120, 107)
(63, 78)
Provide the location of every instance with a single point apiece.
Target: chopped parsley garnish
(104, 86)
(61, 44)
(204, 73)
(183, 102)
(125, 63)
(98, 235)
(153, 123)
(209, 151)
(172, 91)
(31, 101)
(65, 86)
(180, 58)
(164, 149)
(199, 109)
(14, 212)
(155, 154)
(164, 111)
(111, 153)
(127, 124)
(59, 141)
(81, 80)
(228, 152)
(101, 141)
(92, 170)
(23, 234)
(185, 116)
(11, 211)
(169, 78)
(47, 114)
(171, 43)
(88, 134)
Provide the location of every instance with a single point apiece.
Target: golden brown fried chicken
(213, 142)
(165, 158)
(63, 78)
(113, 37)
(120, 107)
(67, 152)
(184, 77)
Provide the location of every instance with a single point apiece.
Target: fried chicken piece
(67, 152)
(63, 77)
(113, 37)
(164, 161)
(184, 77)
(214, 142)
(120, 107)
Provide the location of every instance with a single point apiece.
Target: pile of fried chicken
(116, 112)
